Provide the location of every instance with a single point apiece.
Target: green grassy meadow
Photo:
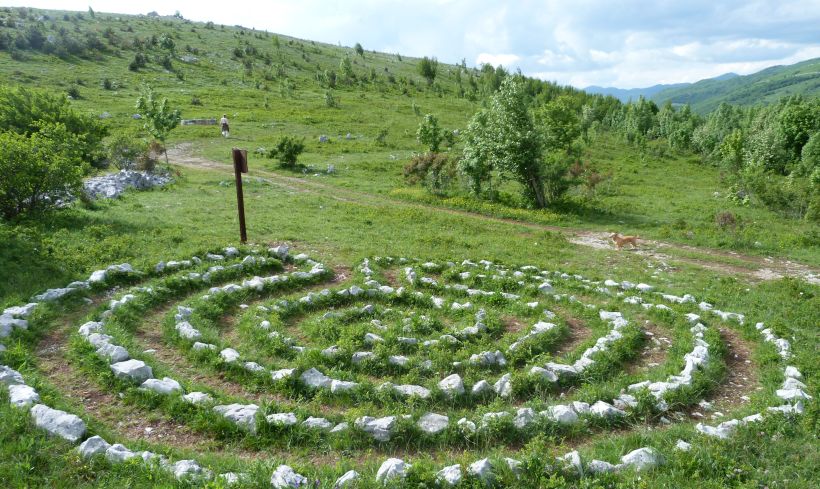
(364, 210)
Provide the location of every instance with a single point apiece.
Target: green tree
(39, 169)
(509, 141)
(359, 49)
(428, 68)
(429, 133)
(126, 150)
(476, 161)
(731, 150)
(810, 156)
(158, 115)
(346, 69)
(26, 111)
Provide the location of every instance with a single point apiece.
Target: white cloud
(630, 43)
(506, 60)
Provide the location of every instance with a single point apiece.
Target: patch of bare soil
(741, 376)
(578, 333)
(131, 422)
(512, 324)
(654, 351)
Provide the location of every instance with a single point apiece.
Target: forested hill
(764, 87)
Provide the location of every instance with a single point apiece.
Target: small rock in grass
(22, 395)
(481, 469)
(285, 477)
(95, 445)
(197, 398)
(58, 423)
(450, 475)
(165, 386)
(642, 459)
(345, 480)
(392, 468)
(432, 423)
(134, 370)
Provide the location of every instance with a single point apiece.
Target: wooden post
(240, 166)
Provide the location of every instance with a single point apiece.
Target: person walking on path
(224, 122)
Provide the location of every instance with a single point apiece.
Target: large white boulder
(58, 423)
(134, 370)
(284, 477)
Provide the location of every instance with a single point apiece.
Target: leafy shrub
(73, 92)
(287, 150)
(435, 171)
(127, 151)
(138, 62)
(39, 169)
(25, 112)
(429, 133)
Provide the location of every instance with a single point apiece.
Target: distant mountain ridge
(764, 87)
(627, 94)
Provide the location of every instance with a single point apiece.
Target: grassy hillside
(271, 86)
(763, 87)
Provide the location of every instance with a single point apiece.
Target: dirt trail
(753, 268)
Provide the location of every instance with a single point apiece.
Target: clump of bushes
(126, 150)
(287, 151)
(435, 171)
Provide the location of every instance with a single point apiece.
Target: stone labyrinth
(404, 359)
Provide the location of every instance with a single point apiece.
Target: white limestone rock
(113, 353)
(315, 379)
(133, 370)
(573, 460)
(380, 429)
(58, 423)
(452, 385)
(605, 410)
(284, 477)
(503, 387)
(683, 446)
(481, 387)
(481, 469)
(337, 386)
(9, 376)
(165, 386)
(95, 445)
(197, 398)
(282, 419)
(317, 424)
(601, 467)
(348, 478)
(410, 390)
(22, 395)
(450, 475)
(561, 414)
(229, 355)
(642, 459)
(187, 331)
(432, 423)
(243, 415)
(523, 418)
(392, 468)
(281, 374)
(118, 453)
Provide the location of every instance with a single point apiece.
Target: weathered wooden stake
(240, 166)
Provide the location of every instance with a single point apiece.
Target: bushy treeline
(531, 132)
(771, 154)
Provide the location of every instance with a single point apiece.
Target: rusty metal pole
(240, 166)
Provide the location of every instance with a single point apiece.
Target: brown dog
(620, 241)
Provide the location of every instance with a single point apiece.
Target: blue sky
(625, 44)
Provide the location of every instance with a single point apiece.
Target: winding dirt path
(754, 268)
